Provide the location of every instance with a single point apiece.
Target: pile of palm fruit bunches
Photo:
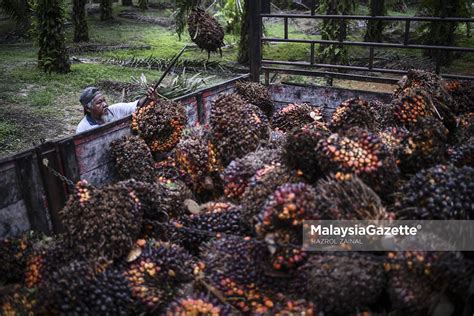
(200, 218)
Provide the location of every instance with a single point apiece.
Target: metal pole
(255, 39)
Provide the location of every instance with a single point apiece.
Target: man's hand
(151, 93)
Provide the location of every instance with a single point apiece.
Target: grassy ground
(35, 105)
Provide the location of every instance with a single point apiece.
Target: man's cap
(88, 95)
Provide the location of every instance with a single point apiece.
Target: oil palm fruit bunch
(277, 139)
(393, 138)
(353, 112)
(256, 94)
(299, 149)
(45, 258)
(169, 170)
(18, 300)
(432, 87)
(205, 31)
(132, 159)
(160, 124)
(159, 201)
(361, 153)
(409, 292)
(265, 181)
(87, 288)
(462, 155)
(238, 173)
(384, 114)
(213, 218)
(411, 105)
(236, 127)
(154, 270)
(424, 145)
(258, 122)
(465, 128)
(281, 222)
(294, 115)
(341, 284)
(238, 258)
(105, 223)
(14, 252)
(445, 271)
(439, 193)
(348, 199)
(462, 93)
(197, 304)
(197, 157)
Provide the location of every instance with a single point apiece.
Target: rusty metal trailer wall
(32, 196)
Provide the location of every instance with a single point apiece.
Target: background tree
(334, 29)
(443, 33)
(375, 27)
(143, 4)
(106, 10)
(49, 18)
(127, 3)
(81, 31)
(243, 55)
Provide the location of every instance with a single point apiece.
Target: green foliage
(184, 7)
(18, 10)
(231, 11)
(334, 29)
(106, 10)
(49, 16)
(442, 33)
(42, 98)
(81, 30)
(7, 130)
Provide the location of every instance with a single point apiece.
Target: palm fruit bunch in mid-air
(281, 222)
(439, 193)
(294, 115)
(86, 288)
(133, 159)
(361, 153)
(256, 94)
(214, 218)
(160, 123)
(348, 199)
(154, 271)
(299, 150)
(341, 284)
(353, 112)
(236, 128)
(238, 173)
(196, 305)
(265, 181)
(205, 31)
(102, 222)
(14, 252)
(196, 155)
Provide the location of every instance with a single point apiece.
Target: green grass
(7, 130)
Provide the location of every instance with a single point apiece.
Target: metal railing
(311, 68)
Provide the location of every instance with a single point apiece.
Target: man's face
(99, 106)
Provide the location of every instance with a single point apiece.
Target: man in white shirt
(98, 112)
